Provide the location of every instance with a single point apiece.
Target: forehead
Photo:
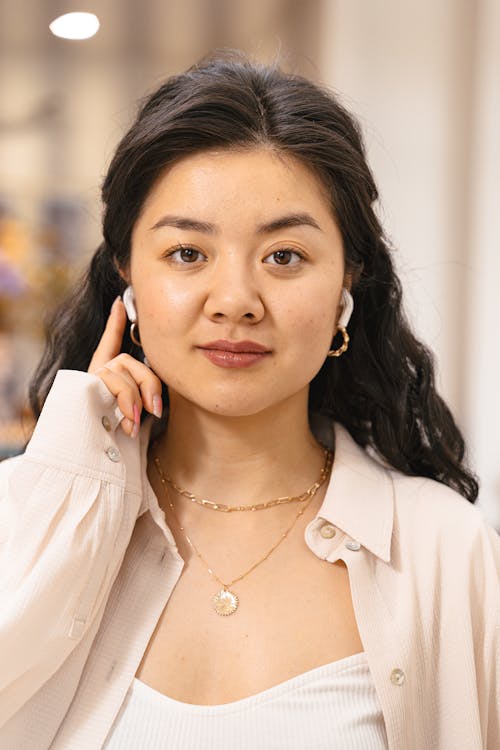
(245, 183)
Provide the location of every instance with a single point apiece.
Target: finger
(126, 393)
(149, 384)
(127, 426)
(111, 340)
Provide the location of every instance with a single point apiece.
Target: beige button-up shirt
(87, 564)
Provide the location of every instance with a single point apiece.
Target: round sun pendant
(225, 602)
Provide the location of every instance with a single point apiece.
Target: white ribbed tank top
(334, 705)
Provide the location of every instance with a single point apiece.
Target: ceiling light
(75, 26)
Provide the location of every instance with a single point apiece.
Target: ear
(122, 272)
(348, 281)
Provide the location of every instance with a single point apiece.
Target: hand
(131, 381)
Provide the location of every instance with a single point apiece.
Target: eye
(284, 257)
(186, 255)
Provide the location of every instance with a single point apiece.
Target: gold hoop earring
(133, 329)
(341, 349)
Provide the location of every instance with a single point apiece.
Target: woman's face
(237, 246)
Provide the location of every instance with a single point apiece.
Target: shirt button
(397, 676)
(352, 545)
(113, 453)
(106, 424)
(327, 531)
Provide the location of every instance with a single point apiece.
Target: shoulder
(424, 497)
(434, 518)
(423, 516)
(7, 466)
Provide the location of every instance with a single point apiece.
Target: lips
(234, 354)
(245, 347)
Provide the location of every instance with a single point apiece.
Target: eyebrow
(282, 222)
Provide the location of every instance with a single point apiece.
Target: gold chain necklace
(229, 508)
(225, 602)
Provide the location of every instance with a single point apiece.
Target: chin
(238, 404)
(226, 404)
(236, 408)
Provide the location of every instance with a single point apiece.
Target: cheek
(312, 323)
(316, 337)
(165, 308)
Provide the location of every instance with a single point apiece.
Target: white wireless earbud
(347, 308)
(129, 302)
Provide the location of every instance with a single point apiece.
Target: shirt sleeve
(64, 529)
(484, 584)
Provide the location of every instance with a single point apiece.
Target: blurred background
(422, 77)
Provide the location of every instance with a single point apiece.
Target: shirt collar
(359, 498)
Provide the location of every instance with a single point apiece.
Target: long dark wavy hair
(382, 390)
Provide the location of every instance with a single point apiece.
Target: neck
(241, 459)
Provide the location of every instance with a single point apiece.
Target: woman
(242, 518)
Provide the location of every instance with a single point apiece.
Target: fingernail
(114, 302)
(157, 406)
(137, 422)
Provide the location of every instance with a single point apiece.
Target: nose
(233, 294)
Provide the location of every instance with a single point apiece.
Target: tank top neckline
(335, 667)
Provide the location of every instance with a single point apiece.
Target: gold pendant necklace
(226, 602)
